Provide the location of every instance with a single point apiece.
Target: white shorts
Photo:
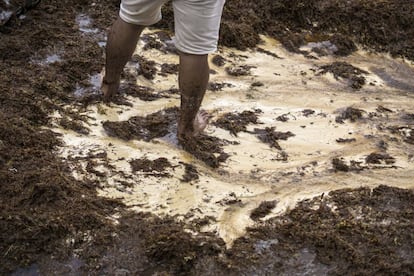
(197, 22)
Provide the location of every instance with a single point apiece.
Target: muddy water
(255, 172)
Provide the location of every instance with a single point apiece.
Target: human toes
(201, 121)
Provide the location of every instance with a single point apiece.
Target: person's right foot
(109, 89)
(199, 124)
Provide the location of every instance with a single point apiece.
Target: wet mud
(52, 222)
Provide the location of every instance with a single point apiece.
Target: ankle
(109, 81)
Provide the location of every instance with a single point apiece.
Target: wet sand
(255, 172)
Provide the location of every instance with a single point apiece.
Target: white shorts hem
(130, 20)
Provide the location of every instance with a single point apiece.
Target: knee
(128, 25)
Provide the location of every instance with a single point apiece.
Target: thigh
(141, 12)
(197, 24)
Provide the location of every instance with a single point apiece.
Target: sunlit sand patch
(255, 172)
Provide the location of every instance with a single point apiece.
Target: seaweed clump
(271, 137)
(155, 125)
(345, 71)
(237, 122)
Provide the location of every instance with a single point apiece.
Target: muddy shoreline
(52, 222)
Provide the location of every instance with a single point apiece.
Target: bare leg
(193, 80)
(122, 41)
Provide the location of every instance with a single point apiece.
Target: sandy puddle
(286, 86)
